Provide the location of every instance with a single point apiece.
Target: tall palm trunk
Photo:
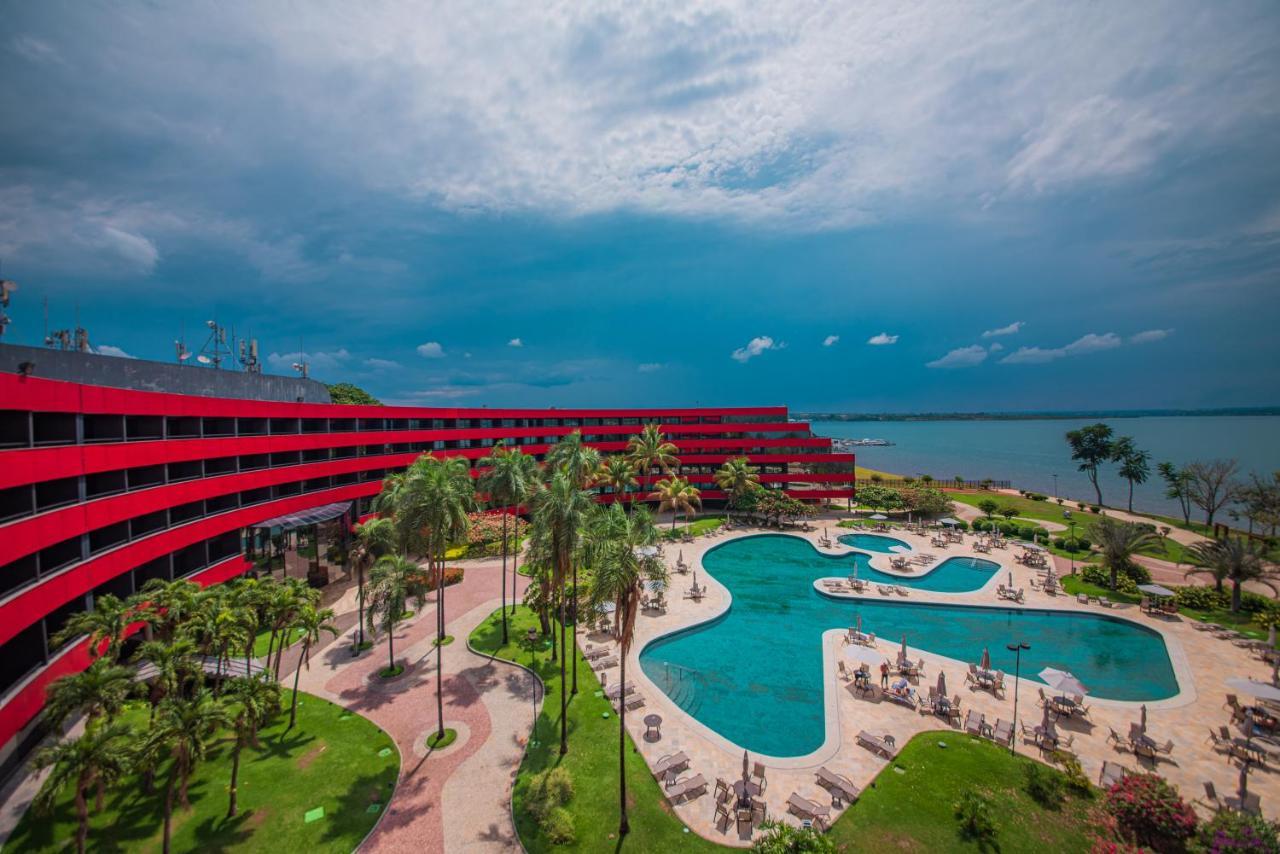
(391, 644)
(623, 826)
(297, 673)
(564, 694)
(82, 816)
(235, 774)
(504, 578)
(440, 647)
(168, 806)
(573, 647)
(360, 604)
(1131, 496)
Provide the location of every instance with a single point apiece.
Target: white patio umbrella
(1155, 590)
(1032, 547)
(1254, 688)
(646, 551)
(879, 517)
(1063, 682)
(608, 607)
(654, 586)
(986, 659)
(948, 521)
(864, 655)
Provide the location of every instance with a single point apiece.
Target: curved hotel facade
(114, 472)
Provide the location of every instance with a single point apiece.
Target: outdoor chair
(973, 723)
(1082, 598)
(844, 671)
(722, 813)
(840, 786)
(722, 790)
(1113, 736)
(805, 808)
(671, 762)
(1211, 796)
(1003, 732)
(757, 776)
(1112, 773)
(685, 788)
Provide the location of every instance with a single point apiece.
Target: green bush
(1239, 832)
(962, 525)
(982, 524)
(780, 838)
(1072, 772)
(1200, 598)
(1253, 603)
(549, 791)
(1027, 532)
(558, 827)
(1044, 786)
(1094, 574)
(1009, 529)
(1094, 508)
(974, 811)
(1079, 544)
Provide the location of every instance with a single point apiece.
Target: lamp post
(1055, 486)
(1016, 649)
(1071, 532)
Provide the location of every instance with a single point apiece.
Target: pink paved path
(488, 703)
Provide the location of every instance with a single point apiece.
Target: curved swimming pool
(754, 675)
(875, 543)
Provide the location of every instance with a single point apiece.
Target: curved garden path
(458, 798)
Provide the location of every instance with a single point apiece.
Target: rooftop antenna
(6, 287)
(249, 356)
(215, 348)
(301, 366)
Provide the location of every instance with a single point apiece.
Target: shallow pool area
(754, 674)
(875, 543)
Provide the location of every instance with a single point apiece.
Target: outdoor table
(986, 676)
(1263, 719)
(653, 722)
(1065, 705)
(1043, 737)
(985, 729)
(744, 790)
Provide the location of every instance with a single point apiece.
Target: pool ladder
(682, 687)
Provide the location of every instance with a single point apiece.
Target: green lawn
(697, 527)
(330, 759)
(263, 640)
(1240, 621)
(592, 760)
(914, 809)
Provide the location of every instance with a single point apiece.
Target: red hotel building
(104, 486)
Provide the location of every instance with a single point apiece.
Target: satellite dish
(204, 360)
(184, 357)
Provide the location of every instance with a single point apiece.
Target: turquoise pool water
(754, 675)
(874, 543)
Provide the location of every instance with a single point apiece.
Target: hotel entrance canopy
(311, 516)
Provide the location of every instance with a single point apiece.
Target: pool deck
(1201, 663)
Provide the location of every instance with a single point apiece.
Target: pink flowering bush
(484, 536)
(1149, 812)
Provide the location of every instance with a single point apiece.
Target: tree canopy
(347, 393)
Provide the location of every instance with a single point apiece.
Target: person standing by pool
(884, 675)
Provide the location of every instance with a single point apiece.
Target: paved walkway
(1201, 661)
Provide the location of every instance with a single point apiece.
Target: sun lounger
(671, 762)
(634, 701)
(1112, 773)
(973, 723)
(805, 808)
(597, 653)
(614, 691)
(1002, 733)
(876, 744)
(1082, 598)
(685, 788)
(884, 589)
(604, 663)
(837, 784)
(901, 591)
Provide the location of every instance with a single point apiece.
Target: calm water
(755, 675)
(875, 543)
(1030, 453)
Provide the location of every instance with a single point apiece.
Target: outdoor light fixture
(1016, 649)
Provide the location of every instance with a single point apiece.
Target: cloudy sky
(871, 206)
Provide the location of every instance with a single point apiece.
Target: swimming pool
(875, 543)
(754, 674)
(953, 575)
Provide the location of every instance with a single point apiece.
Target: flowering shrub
(1231, 831)
(1150, 812)
(425, 578)
(486, 528)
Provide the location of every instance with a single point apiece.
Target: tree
(580, 464)
(1259, 501)
(393, 582)
(375, 538)
(251, 702)
(1234, 559)
(96, 759)
(931, 502)
(1118, 542)
(182, 732)
(737, 477)
(1211, 485)
(164, 605)
(105, 624)
(651, 450)
(310, 623)
(1135, 464)
(617, 473)
(621, 571)
(510, 477)
(677, 495)
(1091, 446)
(98, 691)
(878, 497)
(988, 507)
(1178, 487)
(558, 512)
(174, 664)
(346, 393)
(1009, 512)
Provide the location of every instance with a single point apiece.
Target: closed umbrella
(746, 775)
(1271, 637)
(942, 684)
(1046, 725)
(1010, 579)
(1244, 782)
(1142, 719)
(902, 653)
(859, 624)
(986, 659)
(1063, 682)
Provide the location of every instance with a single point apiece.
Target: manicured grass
(914, 810)
(263, 639)
(330, 759)
(592, 760)
(1239, 621)
(450, 736)
(444, 641)
(697, 527)
(866, 474)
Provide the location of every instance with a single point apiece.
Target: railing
(902, 483)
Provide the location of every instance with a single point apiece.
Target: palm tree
(174, 664)
(392, 584)
(164, 605)
(678, 496)
(737, 477)
(183, 732)
(509, 478)
(432, 509)
(620, 573)
(1117, 543)
(374, 539)
(96, 759)
(1233, 559)
(251, 701)
(559, 511)
(651, 450)
(580, 464)
(310, 622)
(618, 474)
(100, 690)
(105, 624)
(1135, 464)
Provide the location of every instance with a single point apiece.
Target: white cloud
(995, 347)
(755, 347)
(1011, 329)
(961, 357)
(1150, 336)
(1091, 343)
(830, 340)
(324, 360)
(381, 364)
(37, 50)
(649, 367)
(882, 339)
(109, 350)
(431, 350)
(515, 342)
